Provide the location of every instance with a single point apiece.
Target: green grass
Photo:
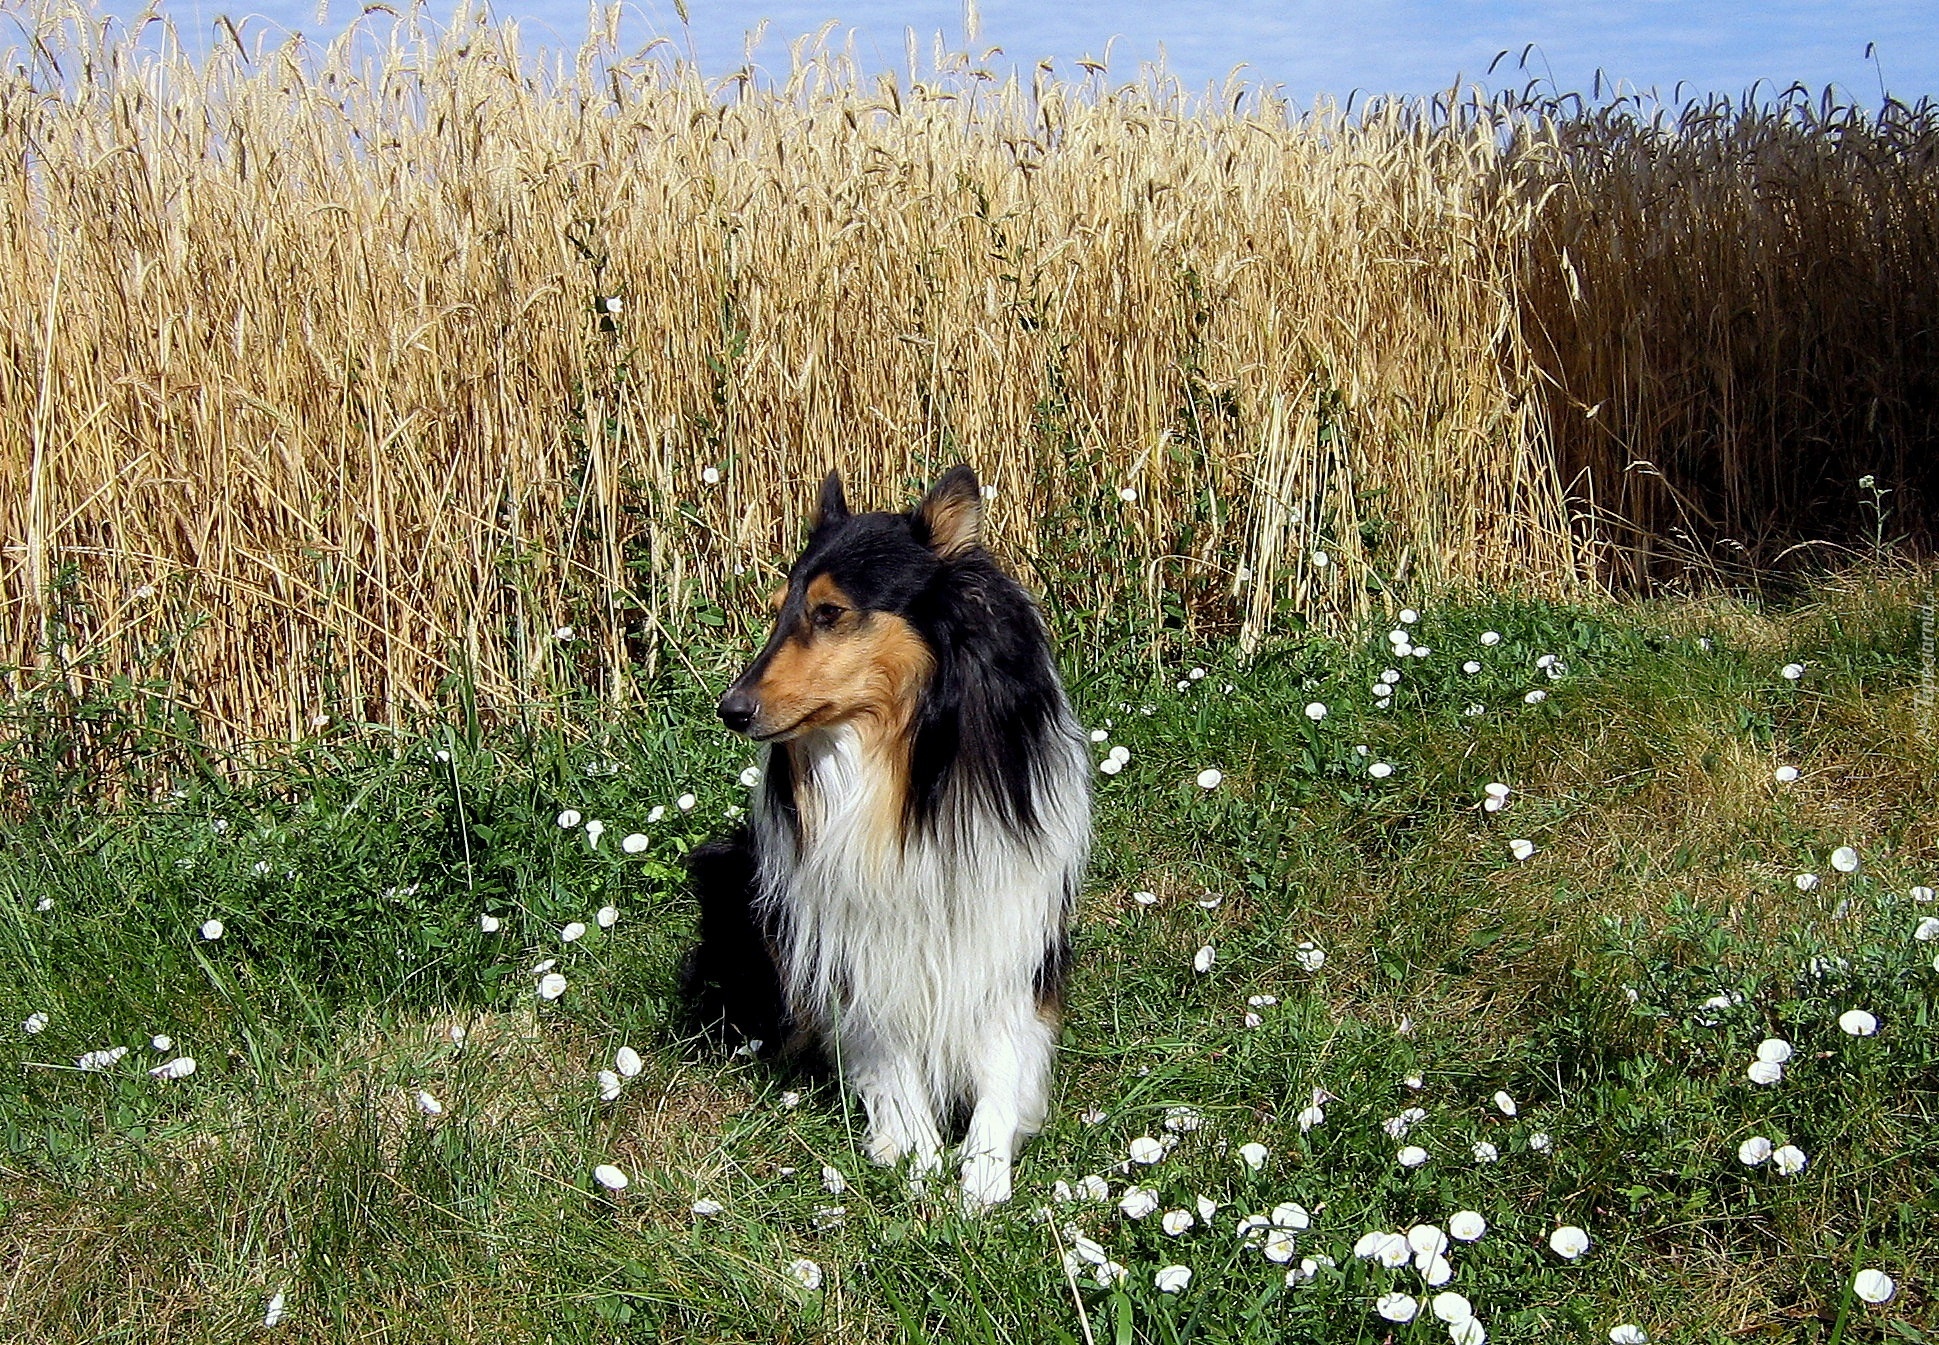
(350, 875)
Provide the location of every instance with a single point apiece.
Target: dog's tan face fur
(829, 662)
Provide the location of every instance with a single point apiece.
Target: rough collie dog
(903, 888)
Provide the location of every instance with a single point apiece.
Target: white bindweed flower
(1138, 1201)
(179, 1068)
(1093, 1187)
(1791, 672)
(805, 1273)
(1926, 930)
(1469, 1331)
(1521, 848)
(1127, 494)
(551, 985)
(1146, 1150)
(1321, 560)
(1754, 1151)
(95, 1061)
(1535, 697)
(710, 476)
(1262, 1001)
(684, 803)
(277, 1307)
(750, 777)
(1540, 1142)
(610, 1177)
(1145, 898)
(1099, 735)
(564, 634)
(610, 1085)
(1207, 1207)
(36, 1023)
(1182, 1119)
(607, 917)
(1412, 1156)
(1426, 1241)
(627, 1061)
(1785, 775)
(1210, 778)
(1307, 1270)
(429, 1105)
(1788, 1159)
(1845, 859)
(1173, 1279)
(47, 903)
(1806, 881)
(832, 1180)
(1451, 1307)
(1506, 1102)
(1310, 956)
(1309, 1117)
(213, 929)
(569, 819)
(1466, 1226)
(655, 813)
(1475, 710)
(1396, 1307)
(1485, 1152)
(1774, 1049)
(1628, 1333)
(1110, 766)
(1496, 790)
(594, 830)
(1857, 1023)
(1490, 637)
(1471, 667)
(1202, 960)
(1291, 1214)
(1109, 1274)
(1874, 1286)
(1277, 1246)
(613, 304)
(1765, 1072)
(1380, 770)
(635, 843)
(989, 490)
(491, 924)
(1176, 1222)
(572, 932)
(1568, 1242)
(1920, 893)
(1315, 711)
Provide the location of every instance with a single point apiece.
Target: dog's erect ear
(832, 507)
(952, 514)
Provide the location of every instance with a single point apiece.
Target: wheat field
(339, 377)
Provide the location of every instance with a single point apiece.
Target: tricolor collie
(903, 889)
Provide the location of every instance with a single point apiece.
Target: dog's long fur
(903, 890)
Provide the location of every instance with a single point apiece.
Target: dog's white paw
(986, 1182)
(885, 1149)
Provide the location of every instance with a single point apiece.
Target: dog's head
(846, 645)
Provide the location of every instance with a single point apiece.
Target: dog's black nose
(737, 711)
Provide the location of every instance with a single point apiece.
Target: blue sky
(1308, 47)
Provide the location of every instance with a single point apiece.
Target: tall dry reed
(389, 361)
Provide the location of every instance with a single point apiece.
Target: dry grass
(311, 345)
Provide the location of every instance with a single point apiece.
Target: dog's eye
(827, 614)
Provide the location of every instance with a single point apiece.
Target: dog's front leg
(1012, 1093)
(901, 1118)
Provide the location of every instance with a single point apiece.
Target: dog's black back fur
(728, 983)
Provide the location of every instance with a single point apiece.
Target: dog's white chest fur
(916, 956)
